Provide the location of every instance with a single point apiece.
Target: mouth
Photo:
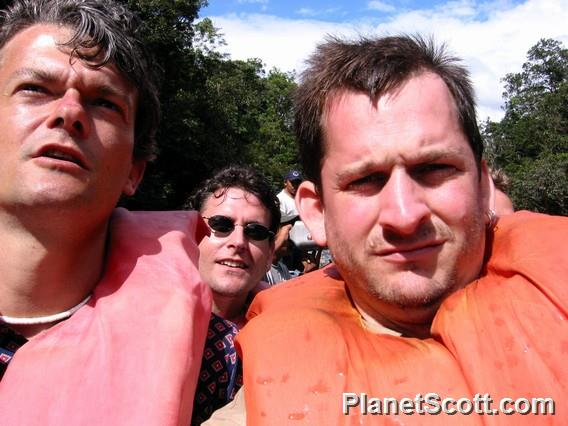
(233, 264)
(63, 154)
(412, 252)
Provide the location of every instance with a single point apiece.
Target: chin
(418, 293)
(422, 300)
(230, 288)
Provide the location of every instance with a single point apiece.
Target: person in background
(278, 271)
(288, 210)
(296, 260)
(503, 204)
(243, 215)
(102, 311)
(430, 293)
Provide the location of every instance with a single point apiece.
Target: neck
(383, 325)
(48, 270)
(382, 318)
(230, 308)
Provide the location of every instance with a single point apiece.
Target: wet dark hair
(114, 32)
(242, 177)
(374, 66)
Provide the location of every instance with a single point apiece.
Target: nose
(237, 238)
(402, 204)
(69, 114)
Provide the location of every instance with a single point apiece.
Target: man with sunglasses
(243, 216)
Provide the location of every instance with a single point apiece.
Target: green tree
(274, 150)
(169, 32)
(216, 111)
(531, 141)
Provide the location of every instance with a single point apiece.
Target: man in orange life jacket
(428, 292)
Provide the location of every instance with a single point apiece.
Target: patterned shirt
(10, 341)
(221, 373)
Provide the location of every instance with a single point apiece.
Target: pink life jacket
(131, 355)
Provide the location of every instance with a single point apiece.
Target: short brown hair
(374, 66)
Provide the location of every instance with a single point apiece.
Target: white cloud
(306, 11)
(492, 38)
(280, 43)
(459, 9)
(381, 6)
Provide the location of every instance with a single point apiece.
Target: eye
(372, 182)
(31, 88)
(105, 103)
(435, 173)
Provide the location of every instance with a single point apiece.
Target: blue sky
(492, 36)
(328, 10)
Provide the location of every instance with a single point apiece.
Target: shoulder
(525, 265)
(151, 224)
(323, 289)
(156, 247)
(284, 197)
(526, 240)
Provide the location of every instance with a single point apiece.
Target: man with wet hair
(429, 292)
(102, 312)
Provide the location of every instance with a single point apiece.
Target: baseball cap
(293, 175)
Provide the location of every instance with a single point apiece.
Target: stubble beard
(415, 290)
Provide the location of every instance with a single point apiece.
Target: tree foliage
(274, 151)
(531, 141)
(216, 111)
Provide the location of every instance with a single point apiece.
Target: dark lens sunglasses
(223, 226)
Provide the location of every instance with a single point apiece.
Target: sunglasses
(223, 226)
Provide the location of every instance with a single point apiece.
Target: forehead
(234, 200)
(40, 47)
(420, 112)
(417, 87)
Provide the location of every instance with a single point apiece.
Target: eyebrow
(52, 77)
(37, 74)
(369, 165)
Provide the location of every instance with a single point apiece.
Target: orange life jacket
(505, 335)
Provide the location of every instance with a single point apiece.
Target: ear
(310, 207)
(487, 188)
(134, 177)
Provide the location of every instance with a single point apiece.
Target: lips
(63, 153)
(233, 264)
(412, 252)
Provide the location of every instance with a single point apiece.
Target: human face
(234, 264)
(67, 130)
(402, 202)
(292, 186)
